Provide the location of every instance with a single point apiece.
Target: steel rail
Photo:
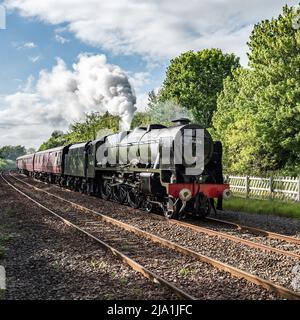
(222, 235)
(219, 234)
(258, 231)
(124, 258)
(280, 290)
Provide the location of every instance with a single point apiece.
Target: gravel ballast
(156, 226)
(48, 260)
(271, 266)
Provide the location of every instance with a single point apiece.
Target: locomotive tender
(145, 168)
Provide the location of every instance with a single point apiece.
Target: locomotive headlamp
(227, 194)
(185, 194)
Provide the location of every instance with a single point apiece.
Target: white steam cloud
(93, 84)
(105, 86)
(63, 95)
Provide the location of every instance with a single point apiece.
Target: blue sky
(16, 63)
(138, 36)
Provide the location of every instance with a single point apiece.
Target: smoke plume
(92, 85)
(63, 95)
(105, 87)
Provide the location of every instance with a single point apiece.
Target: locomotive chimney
(181, 121)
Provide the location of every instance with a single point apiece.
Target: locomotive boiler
(150, 167)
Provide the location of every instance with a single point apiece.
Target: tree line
(9, 154)
(88, 129)
(254, 111)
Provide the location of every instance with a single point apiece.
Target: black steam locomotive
(177, 169)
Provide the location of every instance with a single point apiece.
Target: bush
(7, 165)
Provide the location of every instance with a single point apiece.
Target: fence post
(270, 187)
(247, 186)
(298, 190)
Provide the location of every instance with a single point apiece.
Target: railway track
(86, 227)
(236, 239)
(236, 233)
(257, 231)
(283, 292)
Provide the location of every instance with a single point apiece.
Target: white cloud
(29, 45)
(61, 39)
(34, 59)
(61, 29)
(139, 79)
(29, 85)
(24, 45)
(156, 29)
(63, 95)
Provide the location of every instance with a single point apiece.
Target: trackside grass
(275, 207)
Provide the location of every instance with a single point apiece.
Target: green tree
(275, 58)
(160, 112)
(81, 131)
(7, 165)
(30, 150)
(163, 112)
(141, 119)
(235, 124)
(258, 114)
(153, 100)
(57, 139)
(93, 123)
(194, 79)
(12, 152)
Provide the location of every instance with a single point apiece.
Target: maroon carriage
(25, 164)
(49, 163)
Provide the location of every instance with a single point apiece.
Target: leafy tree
(165, 112)
(7, 165)
(57, 134)
(8, 156)
(58, 138)
(235, 124)
(275, 58)
(93, 123)
(153, 100)
(194, 79)
(85, 130)
(141, 119)
(258, 114)
(161, 112)
(30, 150)
(12, 152)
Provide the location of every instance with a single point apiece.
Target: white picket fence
(285, 188)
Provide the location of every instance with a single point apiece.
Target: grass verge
(275, 207)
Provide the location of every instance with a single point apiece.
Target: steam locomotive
(171, 168)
